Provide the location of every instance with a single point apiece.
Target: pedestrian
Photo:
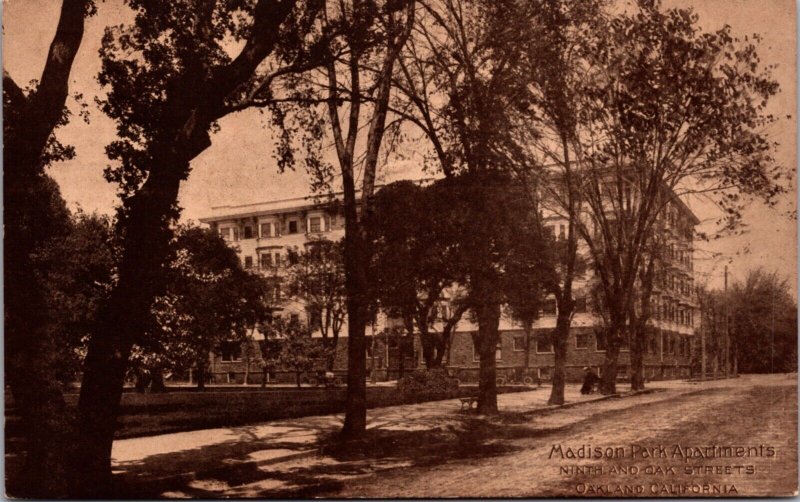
(590, 379)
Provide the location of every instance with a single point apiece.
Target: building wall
(674, 304)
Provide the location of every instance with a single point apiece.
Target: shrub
(427, 382)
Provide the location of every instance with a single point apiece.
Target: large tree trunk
(485, 340)
(608, 381)
(31, 202)
(46, 423)
(560, 337)
(355, 262)
(201, 375)
(157, 385)
(122, 319)
(638, 347)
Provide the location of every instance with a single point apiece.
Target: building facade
(264, 235)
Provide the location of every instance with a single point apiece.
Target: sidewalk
(168, 458)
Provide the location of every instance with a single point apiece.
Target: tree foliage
(763, 323)
(316, 278)
(298, 350)
(416, 263)
(210, 299)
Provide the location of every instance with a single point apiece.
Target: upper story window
(229, 233)
(248, 262)
(293, 227)
(549, 307)
(519, 343)
(248, 232)
(582, 340)
(315, 224)
(269, 229)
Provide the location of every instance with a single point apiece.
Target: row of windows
(314, 224)
(669, 310)
(550, 308)
(673, 344)
(551, 231)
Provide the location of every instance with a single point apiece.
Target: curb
(618, 395)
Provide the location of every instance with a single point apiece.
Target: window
(266, 260)
(315, 224)
(314, 317)
(498, 354)
(248, 262)
(652, 345)
(543, 346)
(231, 351)
(519, 343)
(549, 307)
(293, 227)
(225, 233)
(269, 230)
(562, 232)
(248, 232)
(601, 340)
(550, 231)
(580, 305)
(236, 233)
(582, 341)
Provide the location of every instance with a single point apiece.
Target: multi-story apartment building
(264, 233)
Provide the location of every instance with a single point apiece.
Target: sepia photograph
(393, 249)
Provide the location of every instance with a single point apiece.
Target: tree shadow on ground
(391, 442)
(459, 438)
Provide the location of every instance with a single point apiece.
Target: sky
(239, 167)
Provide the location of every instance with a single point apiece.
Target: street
(726, 437)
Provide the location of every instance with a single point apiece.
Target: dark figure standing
(590, 379)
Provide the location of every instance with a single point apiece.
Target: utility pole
(727, 328)
(703, 327)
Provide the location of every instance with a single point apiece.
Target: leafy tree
(671, 110)
(556, 45)
(492, 212)
(459, 83)
(35, 213)
(528, 276)
(415, 264)
(763, 324)
(298, 350)
(79, 273)
(210, 299)
(316, 277)
(171, 75)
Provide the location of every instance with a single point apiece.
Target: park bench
(466, 402)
